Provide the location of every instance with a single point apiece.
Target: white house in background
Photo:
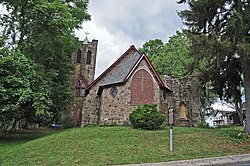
(219, 118)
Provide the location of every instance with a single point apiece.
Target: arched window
(182, 111)
(142, 88)
(78, 56)
(88, 61)
(80, 88)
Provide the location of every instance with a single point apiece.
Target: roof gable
(152, 69)
(121, 70)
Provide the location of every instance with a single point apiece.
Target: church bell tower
(84, 62)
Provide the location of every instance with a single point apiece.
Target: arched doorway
(77, 117)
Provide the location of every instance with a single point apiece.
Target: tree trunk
(13, 127)
(240, 114)
(246, 71)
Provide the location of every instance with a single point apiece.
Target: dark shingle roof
(120, 72)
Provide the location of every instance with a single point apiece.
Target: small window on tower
(88, 61)
(78, 56)
(114, 92)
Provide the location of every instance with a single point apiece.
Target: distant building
(222, 117)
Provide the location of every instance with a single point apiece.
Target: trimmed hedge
(147, 117)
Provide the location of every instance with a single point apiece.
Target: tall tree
(219, 31)
(43, 31)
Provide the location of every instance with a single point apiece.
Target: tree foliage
(172, 57)
(42, 32)
(15, 87)
(219, 32)
(152, 48)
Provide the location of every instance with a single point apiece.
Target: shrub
(146, 117)
(237, 135)
(67, 122)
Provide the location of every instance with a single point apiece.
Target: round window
(114, 91)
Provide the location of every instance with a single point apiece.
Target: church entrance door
(77, 117)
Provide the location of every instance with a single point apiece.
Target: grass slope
(116, 145)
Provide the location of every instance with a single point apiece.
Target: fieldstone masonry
(129, 82)
(84, 61)
(184, 92)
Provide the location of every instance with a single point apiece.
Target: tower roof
(86, 40)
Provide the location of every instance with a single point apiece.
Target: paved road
(246, 164)
(235, 160)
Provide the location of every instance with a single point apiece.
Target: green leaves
(219, 33)
(169, 58)
(146, 117)
(15, 86)
(37, 68)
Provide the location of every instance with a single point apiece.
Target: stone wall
(85, 72)
(106, 109)
(184, 91)
(91, 107)
(90, 68)
(115, 109)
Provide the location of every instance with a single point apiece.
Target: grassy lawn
(116, 145)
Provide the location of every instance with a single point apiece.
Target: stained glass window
(80, 88)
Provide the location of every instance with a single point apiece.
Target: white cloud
(117, 24)
(109, 47)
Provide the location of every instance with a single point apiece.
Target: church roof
(123, 68)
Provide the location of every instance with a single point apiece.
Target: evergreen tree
(219, 32)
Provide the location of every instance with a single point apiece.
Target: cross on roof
(86, 33)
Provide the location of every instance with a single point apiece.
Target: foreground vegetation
(116, 145)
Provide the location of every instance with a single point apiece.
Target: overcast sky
(118, 24)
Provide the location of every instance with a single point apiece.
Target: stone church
(130, 81)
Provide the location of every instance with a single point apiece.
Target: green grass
(116, 145)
